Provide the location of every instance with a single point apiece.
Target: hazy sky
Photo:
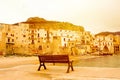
(93, 15)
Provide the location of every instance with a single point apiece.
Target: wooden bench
(55, 59)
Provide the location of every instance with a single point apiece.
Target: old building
(23, 38)
(27, 39)
(107, 44)
(116, 43)
(2, 41)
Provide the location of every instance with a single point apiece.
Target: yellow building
(2, 41)
(116, 43)
(107, 44)
(27, 39)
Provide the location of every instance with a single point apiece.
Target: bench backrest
(54, 58)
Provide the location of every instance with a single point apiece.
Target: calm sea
(104, 61)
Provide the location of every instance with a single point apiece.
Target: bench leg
(39, 67)
(44, 65)
(41, 64)
(70, 66)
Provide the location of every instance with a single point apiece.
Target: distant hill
(118, 33)
(37, 22)
(107, 33)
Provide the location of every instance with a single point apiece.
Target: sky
(94, 15)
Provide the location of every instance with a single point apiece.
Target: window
(116, 48)
(32, 42)
(47, 46)
(38, 41)
(12, 40)
(72, 43)
(65, 45)
(40, 48)
(64, 39)
(6, 33)
(55, 37)
(38, 35)
(8, 39)
(24, 35)
(32, 31)
(68, 39)
(45, 34)
(12, 35)
(32, 36)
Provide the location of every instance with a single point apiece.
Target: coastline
(12, 61)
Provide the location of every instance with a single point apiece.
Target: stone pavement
(29, 72)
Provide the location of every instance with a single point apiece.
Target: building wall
(2, 40)
(107, 41)
(22, 39)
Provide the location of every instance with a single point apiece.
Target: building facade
(107, 44)
(26, 39)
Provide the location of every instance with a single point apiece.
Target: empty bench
(55, 59)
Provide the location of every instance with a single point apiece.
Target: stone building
(116, 43)
(27, 39)
(2, 41)
(107, 44)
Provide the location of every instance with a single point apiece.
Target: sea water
(103, 61)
